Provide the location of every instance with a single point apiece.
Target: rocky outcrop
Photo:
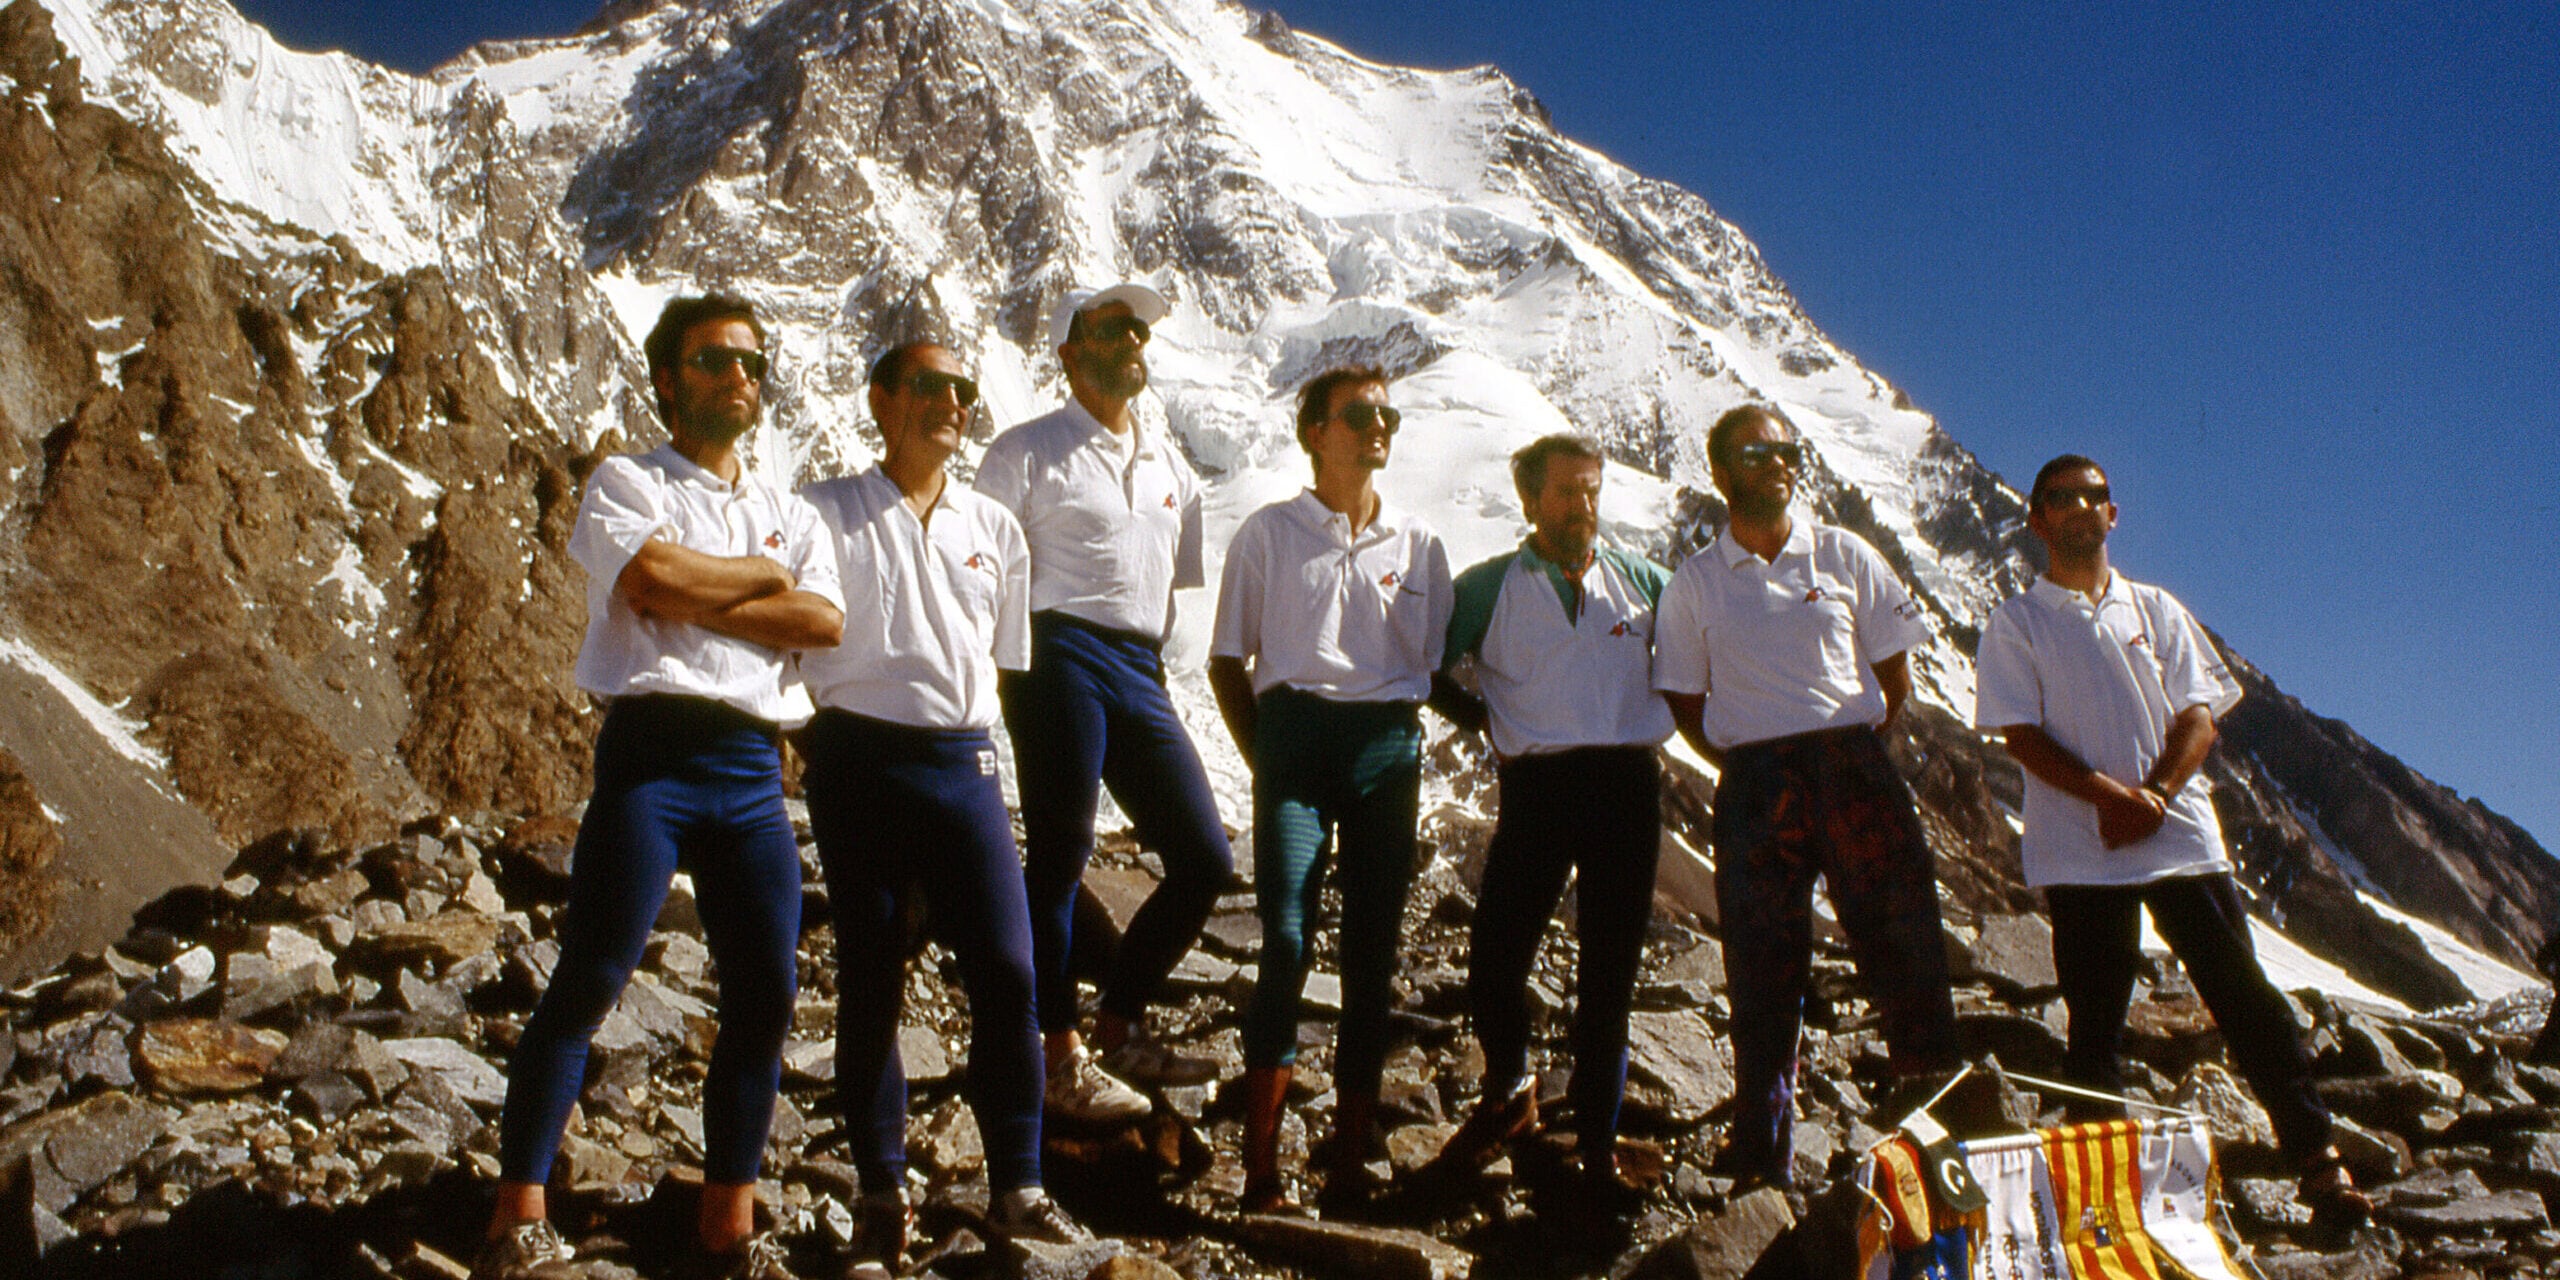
(298, 1072)
(2430, 852)
(277, 507)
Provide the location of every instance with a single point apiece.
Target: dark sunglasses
(717, 360)
(1760, 453)
(2093, 496)
(1370, 417)
(931, 385)
(1114, 328)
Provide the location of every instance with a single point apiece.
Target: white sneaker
(527, 1251)
(1080, 1090)
(1027, 1213)
(1144, 1061)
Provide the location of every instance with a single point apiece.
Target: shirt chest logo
(1622, 629)
(1813, 595)
(774, 539)
(978, 560)
(1168, 502)
(1391, 578)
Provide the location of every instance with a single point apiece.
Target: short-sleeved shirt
(1113, 521)
(635, 497)
(2103, 678)
(1562, 660)
(932, 609)
(1349, 618)
(1787, 646)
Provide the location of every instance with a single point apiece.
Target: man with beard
(2105, 690)
(701, 579)
(1331, 615)
(903, 793)
(1112, 514)
(1782, 650)
(1559, 636)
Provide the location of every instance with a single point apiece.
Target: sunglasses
(1760, 453)
(931, 386)
(718, 360)
(1114, 328)
(1370, 417)
(2092, 497)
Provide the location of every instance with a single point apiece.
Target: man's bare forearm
(790, 620)
(668, 581)
(2037, 753)
(1689, 714)
(1456, 705)
(2126, 814)
(2191, 737)
(1234, 688)
(1893, 675)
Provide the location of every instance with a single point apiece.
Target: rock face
(270, 500)
(302, 362)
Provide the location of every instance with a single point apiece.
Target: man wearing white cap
(1112, 514)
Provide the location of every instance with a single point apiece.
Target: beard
(712, 421)
(1120, 380)
(1759, 506)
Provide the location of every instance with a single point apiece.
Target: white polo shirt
(1349, 619)
(634, 497)
(1113, 522)
(1787, 646)
(2104, 678)
(931, 608)
(1553, 682)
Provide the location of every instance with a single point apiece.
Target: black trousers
(2097, 932)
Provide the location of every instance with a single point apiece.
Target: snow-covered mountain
(366, 330)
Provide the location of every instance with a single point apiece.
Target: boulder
(2015, 953)
(68, 1152)
(467, 1074)
(1333, 1248)
(435, 942)
(204, 1055)
(1724, 1245)
(1682, 1055)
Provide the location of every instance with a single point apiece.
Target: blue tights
(678, 780)
(897, 809)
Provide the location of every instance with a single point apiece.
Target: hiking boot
(761, 1256)
(525, 1251)
(1150, 1062)
(1080, 1090)
(1027, 1213)
(883, 1221)
(1494, 1124)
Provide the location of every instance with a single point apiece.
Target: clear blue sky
(2291, 270)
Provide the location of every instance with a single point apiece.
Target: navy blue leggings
(896, 809)
(1354, 768)
(678, 780)
(1093, 711)
(1595, 811)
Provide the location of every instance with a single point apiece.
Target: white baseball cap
(1143, 302)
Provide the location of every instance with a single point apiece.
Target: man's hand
(2126, 815)
(2129, 815)
(1456, 705)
